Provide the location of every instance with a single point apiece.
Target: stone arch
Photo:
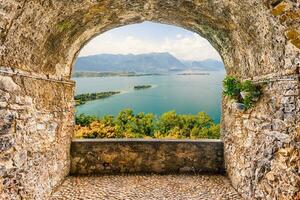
(39, 40)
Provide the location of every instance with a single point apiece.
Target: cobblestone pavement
(147, 187)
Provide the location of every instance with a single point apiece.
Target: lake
(187, 94)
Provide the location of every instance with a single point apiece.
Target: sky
(148, 37)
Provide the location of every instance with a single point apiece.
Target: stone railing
(112, 156)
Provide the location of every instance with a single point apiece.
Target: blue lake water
(187, 94)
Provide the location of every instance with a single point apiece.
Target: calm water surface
(185, 94)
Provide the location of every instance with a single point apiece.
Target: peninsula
(83, 98)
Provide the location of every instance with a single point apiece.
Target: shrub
(232, 87)
(252, 93)
(84, 120)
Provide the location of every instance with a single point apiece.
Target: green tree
(124, 120)
(168, 121)
(145, 124)
(204, 120)
(84, 120)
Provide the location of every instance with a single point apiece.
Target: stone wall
(257, 39)
(111, 156)
(36, 123)
(262, 144)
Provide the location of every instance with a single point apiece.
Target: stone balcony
(139, 169)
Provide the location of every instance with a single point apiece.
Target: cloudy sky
(150, 37)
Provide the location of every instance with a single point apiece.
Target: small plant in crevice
(250, 93)
(232, 87)
(245, 93)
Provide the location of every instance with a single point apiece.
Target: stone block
(6, 143)
(7, 84)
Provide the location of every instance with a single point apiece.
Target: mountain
(142, 63)
(205, 65)
(147, 63)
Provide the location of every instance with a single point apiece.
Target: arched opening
(183, 74)
(256, 40)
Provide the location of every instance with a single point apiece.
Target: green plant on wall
(245, 92)
(250, 93)
(232, 87)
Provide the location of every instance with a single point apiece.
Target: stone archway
(39, 40)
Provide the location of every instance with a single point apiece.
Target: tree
(84, 120)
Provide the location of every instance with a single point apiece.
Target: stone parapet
(113, 156)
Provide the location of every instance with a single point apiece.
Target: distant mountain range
(143, 63)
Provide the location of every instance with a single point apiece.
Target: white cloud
(191, 47)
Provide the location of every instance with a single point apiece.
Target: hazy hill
(205, 65)
(142, 63)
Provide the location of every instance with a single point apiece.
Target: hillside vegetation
(129, 125)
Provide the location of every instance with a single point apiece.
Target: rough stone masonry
(121, 156)
(39, 40)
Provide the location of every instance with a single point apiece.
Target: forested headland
(83, 98)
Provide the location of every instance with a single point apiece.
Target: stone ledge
(135, 140)
(114, 156)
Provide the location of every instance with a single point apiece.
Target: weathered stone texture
(146, 156)
(262, 144)
(257, 39)
(252, 37)
(36, 122)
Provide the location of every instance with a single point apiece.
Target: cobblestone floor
(147, 187)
